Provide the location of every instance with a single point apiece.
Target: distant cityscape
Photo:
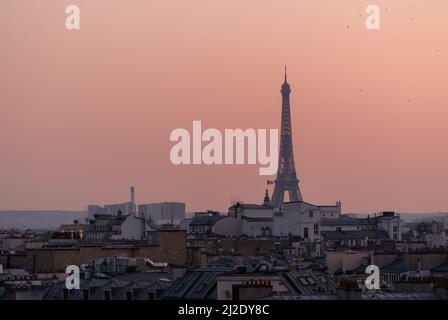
(270, 250)
(52, 219)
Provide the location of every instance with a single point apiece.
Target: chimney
(348, 289)
(133, 200)
(252, 290)
(133, 195)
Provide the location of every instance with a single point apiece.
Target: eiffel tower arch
(286, 180)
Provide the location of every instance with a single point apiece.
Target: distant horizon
(52, 219)
(225, 210)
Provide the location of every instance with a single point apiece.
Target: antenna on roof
(234, 200)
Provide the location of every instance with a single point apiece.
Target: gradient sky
(86, 114)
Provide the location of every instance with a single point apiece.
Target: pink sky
(86, 114)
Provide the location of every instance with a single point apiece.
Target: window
(311, 213)
(85, 294)
(310, 280)
(303, 281)
(151, 295)
(306, 281)
(395, 229)
(305, 232)
(107, 295)
(339, 229)
(266, 231)
(316, 229)
(129, 295)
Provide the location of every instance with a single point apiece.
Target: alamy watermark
(373, 18)
(73, 19)
(73, 13)
(73, 279)
(227, 148)
(373, 280)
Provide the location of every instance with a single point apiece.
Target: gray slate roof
(443, 267)
(198, 284)
(357, 234)
(252, 219)
(364, 296)
(205, 220)
(308, 283)
(347, 221)
(397, 266)
(140, 283)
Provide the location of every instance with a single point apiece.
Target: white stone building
(252, 220)
(256, 220)
(303, 219)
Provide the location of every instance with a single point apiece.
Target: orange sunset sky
(85, 114)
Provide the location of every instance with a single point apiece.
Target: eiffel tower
(286, 174)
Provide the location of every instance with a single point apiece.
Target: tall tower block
(133, 195)
(286, 180)
(134, 207)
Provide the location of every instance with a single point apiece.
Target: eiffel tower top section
(286, 181)
(285, 86)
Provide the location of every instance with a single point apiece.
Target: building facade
(163, 213)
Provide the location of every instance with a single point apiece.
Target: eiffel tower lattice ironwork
(286, 180)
